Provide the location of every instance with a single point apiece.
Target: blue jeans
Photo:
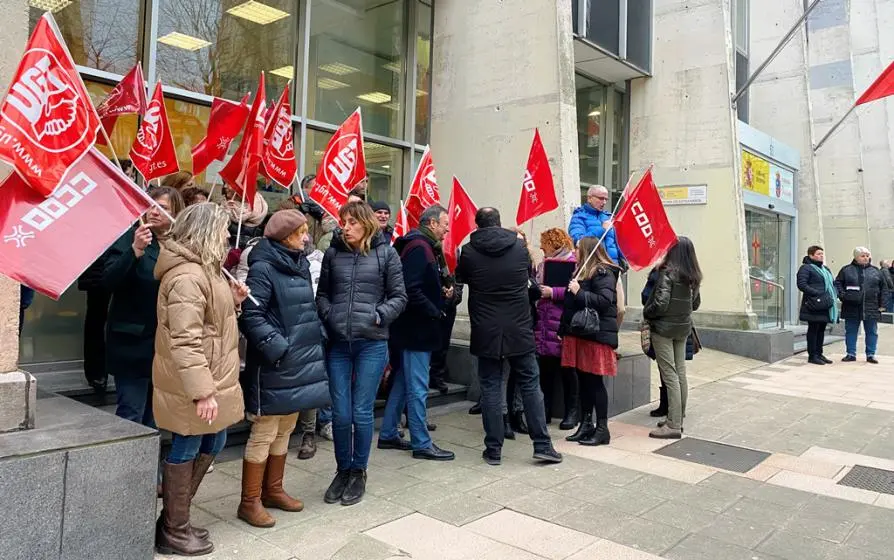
(186, 448)
(134, 397)
(355, 370)
(410, 390)
(852, 329)
(324, 415)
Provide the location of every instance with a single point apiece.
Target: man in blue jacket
(592, 219)
(416, 334)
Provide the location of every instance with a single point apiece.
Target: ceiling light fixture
(53, 6)
(287, 72)
(595, 113)
(421, 93)
(338, 69)
(394, 67)
(330, 84)
(183, 41)
(257, 12)
(375, 97)
(394, 106)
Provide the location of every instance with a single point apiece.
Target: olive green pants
(670, 353)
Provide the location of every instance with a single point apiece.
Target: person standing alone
(863, 293)
(818, 303)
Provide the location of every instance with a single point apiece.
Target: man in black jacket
(863, 294)
(494, 265)
(416, 334)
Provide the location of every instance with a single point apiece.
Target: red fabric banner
(401, 225)
(883, 86)
(342, 167)
(224, 123)
(241, 172)
(48, 242)
(424, 191)
(462, 222)
(538, 193)
(280, 164)
(47, 121)
(642, 229)
(153, 152)
(126, 98)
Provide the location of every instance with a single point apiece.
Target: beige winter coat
(196, 352)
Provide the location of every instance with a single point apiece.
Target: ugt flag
(279, 160)
(538, 194)
(153, 152)
(224, 124)
(642, 229)
(424, 190)
(48, 242)
(342, 167)
(126, 98)
(241, 172)
(462, 222)
(47, 122)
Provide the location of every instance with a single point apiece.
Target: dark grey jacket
(359, 295)
(670, 306)
(285, 369)
(862, 291)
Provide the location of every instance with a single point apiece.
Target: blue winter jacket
(587, 221)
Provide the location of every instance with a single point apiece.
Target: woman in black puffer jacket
(285, 369)
(361, 292)
(818, 309)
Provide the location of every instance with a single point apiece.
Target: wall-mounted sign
(680, 195)
(782, 184)
(768, 179)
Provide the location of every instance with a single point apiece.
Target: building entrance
(769, 238)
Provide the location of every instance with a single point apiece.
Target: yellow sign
(679, 195)
(755, 173)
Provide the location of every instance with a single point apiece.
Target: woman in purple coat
(556, 245)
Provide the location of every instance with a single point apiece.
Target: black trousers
(550, 369)
(816, 334)
(593, 394)
(439, 358)
(95, 335)
(490, 374)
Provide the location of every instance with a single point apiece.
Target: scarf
(830, 289)
(446, 277)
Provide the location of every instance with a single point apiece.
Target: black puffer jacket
(285, 369)
(862, 291)
(599, 293)
(359, 295)
(812, 284)
(670, 306)
(495, 266)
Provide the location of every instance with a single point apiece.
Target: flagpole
(834, 128)
(109, 144)
(241, 214)
(213, 185)
(232, 279)
(610, 227)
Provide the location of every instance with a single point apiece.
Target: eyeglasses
(597, 197)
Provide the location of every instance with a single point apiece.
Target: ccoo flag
(153, 152)
(241, 172)
(424, 190)
(47, 122)
(342, 167)
(538, 194)
(642, 229)
(224, 124)
(126, 98)
(462, 222)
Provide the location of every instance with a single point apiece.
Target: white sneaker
(326, 431)
(210, 468)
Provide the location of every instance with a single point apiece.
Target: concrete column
(682, 121)
(780, 105)
(17, 389)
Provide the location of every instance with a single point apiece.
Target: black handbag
(818, 304)
(584, 323)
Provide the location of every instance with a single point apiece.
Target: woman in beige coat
(196, 368)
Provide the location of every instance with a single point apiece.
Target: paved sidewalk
(615, 502)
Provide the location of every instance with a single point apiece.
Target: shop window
(356, 58)
(220, 47)
(590, 123)
(423, 72)
(619, 136)
(101, 34)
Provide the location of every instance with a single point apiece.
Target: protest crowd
(212, 308)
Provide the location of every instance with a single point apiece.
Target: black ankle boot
(572, 400)
(355, 488)
(584, 428)
(662, 403)
(508, 433)
(599, 435)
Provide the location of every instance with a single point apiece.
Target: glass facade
(769, 261)
(601, 136)
(339, 55)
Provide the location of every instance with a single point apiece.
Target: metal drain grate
(868, 478)
(713, 454)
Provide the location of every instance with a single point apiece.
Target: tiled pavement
(617, 502)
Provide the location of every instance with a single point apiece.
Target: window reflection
(54, 330)
(356, 58)
(219, 47)
(101, 34)
(590, 115)
(423, 72)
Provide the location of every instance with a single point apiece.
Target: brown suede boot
(250, 509)
(203, 461)
(174, 534)
(273, 495)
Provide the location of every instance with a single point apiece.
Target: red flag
(47, 122)
(883, 86)
(401, 226)
(538, 195)
(241, 172)
(49, 242)
(279, 160)
(424, 190)
(153, 152)
(126, 98)
(224, 124)
(342, 167)
(462, 222)
(642, 229)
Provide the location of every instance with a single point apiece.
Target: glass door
(768, 237)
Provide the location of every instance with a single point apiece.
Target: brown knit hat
(283, 223)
